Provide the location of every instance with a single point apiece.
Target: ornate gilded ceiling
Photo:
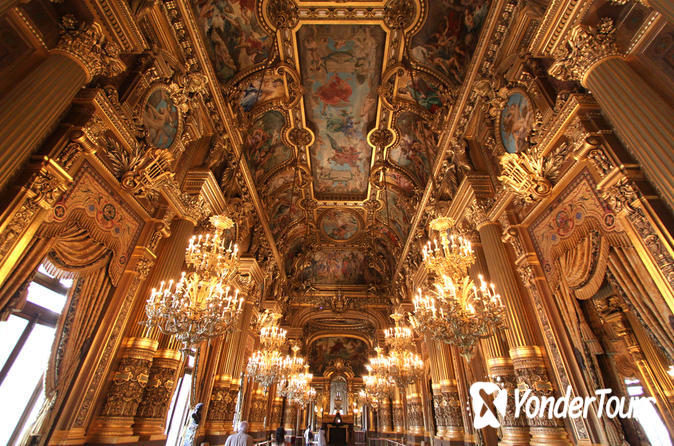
(339, 107)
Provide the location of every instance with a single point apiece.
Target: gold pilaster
(640, 115)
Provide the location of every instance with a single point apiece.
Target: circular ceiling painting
(340, 224)
(161, 119)
(515, 122)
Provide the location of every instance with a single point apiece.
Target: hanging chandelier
(268, 365)
(378, 385)
(203, 303)
(404, 366)
(458, 312)
(298, 389)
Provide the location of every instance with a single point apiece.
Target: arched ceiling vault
(339, 109)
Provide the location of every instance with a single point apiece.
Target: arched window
(339, 395)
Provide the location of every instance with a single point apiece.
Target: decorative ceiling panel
(449, 36)
(340, 69)
(338, 108)
(233, 36)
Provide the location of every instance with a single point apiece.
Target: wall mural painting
(264, 148)
(398, 214)
(161, 119)
(337, 266)
(515, 122)
(448, 38)
(339, 224)
(233, 37)
(341, 67)
(415, 150)
(324, 350)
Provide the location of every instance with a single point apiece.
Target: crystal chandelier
(202, 304)
(298, 388)
(459, 312)
(378, 384)
(404, 366)
(268, 365)
(207, 253)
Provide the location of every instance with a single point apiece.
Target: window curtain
(73, 254)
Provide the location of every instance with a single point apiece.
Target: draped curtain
(76, 255)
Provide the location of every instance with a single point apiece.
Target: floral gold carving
(87, 45)
(586, 47)
(127, 387)
(283, 13)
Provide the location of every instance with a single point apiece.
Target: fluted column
(126, 391)
(5, 5)
(221, 407)
(414, 411)
(664, 7)
(640, 115)
(30, 110)
(385, 424)
(290, 418)
(152, 410)
(397, 412)
(526, 356)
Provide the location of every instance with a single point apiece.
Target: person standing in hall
(241, 438)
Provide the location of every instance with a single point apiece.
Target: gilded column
(32, 108)
(450, 395)
(221, 407)
(526, 356)
(276, 412)
(385, 424)
(664, 7)
(640, 115)
(397, 412)
(414, 411)
(258, 410)
(515, 431)
(290, 418)
(152, 410)
(126, 390)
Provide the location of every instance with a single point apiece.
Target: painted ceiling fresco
(340, 67)
(325, 350)
(448, 38)
(233, 36)
(332, 80)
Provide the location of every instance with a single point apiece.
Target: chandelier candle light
(459, 312)
(404, 366)
(268, 365)
(203, 303)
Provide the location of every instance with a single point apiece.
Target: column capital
(88, 47)
(586, 47)
(478, 213)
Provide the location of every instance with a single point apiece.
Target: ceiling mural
(339, 110)
(340, 225)
(338, 266)
(448, 38)
(233, 36)
(416, 148)
(340, 69)
(264, 147)
(351, 351)
(280, 214)
(397, 213)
